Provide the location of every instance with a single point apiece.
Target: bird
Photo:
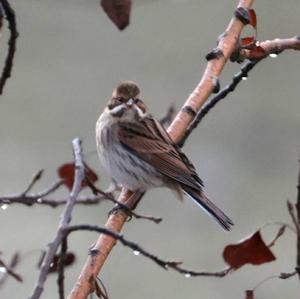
(138, 153)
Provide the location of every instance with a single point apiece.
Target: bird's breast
(123, 166)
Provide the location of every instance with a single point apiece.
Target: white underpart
(124, 167)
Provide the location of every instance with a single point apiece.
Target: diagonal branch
(61, 268)
(207, 85)
(237, 78)
(291, 211)
(65, 220)
(35, 178)
(298, 223)
(12, 26)
(167, 119)
(9, 269)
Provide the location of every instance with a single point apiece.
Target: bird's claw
(124, 209)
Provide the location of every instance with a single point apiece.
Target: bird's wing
(148, 140)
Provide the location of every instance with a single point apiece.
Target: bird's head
(125, 102)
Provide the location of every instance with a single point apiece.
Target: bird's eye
(136, 100)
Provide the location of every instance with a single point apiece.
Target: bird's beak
(130, 102)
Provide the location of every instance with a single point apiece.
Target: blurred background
(69, 58)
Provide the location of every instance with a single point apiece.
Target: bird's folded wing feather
(149, 141)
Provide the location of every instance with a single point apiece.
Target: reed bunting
(139, 154)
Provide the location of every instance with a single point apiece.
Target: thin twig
(9, 269)
(137, 249)
(40, 199)
(51, 189)
(61, 268)
(237, 78)
(291, 211)
(65, 220)
(287, 225)
(102, 289)
(34, 198)
(282, 275)
(12, 26)
(111, 198)
(1, 17)
(278, 235)
(275, 46)
(298, 223)
(13, 263)
(35, 178)
(285, 275)
(168, 117)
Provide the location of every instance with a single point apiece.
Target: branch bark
(174, 265)
(9, 269)
(12, 26)
(226, 45)
(275, 46)
(65, 220)
(298, 218)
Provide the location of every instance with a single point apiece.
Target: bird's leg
(133, 200)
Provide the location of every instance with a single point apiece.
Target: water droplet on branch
(4, 206)
(273, 55)
(3, 270)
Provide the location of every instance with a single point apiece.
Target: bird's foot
(123, 208)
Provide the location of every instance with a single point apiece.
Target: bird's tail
(209, 207)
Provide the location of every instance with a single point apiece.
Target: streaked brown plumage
(139, 154)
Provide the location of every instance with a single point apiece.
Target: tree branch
(298, 223)
(65, 220)
(167, 119)
(237, 78)
(282, 275)
(207, 85)
(37, 198)
(9, 269)
(120, 205)
(12, 26)
(35, 178)
(137, 249)
(291, 211)
(61, 268)
(275, 46)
